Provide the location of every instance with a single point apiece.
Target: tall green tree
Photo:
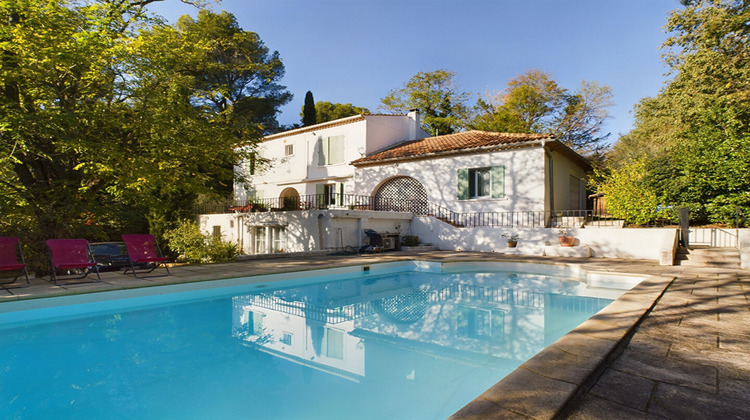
(111, 121)
(441, 102)
(238, 76)
(534, 102)
(698, 127)
(309, 114)
(327, 111)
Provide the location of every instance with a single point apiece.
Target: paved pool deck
(676, 346)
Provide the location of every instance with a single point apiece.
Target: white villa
(316, 159)
(324, 185)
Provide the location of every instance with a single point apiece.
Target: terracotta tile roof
(457, 143)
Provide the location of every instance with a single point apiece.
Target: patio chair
(143, 249)
(11, 257)
(71, 254)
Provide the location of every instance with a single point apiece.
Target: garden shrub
(410, 240)
(195, 247)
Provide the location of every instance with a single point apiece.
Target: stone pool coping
(551, 383)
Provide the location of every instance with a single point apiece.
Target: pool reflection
(396, 324)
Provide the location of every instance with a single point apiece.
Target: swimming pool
(399, 340)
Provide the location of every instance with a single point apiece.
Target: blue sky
(355, 51)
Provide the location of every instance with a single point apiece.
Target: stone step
(708, 257)
(718, 264)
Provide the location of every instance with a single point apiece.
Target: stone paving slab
(675, 402)
(632, 391)
(668, 370)
(595, 408)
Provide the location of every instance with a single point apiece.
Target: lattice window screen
(402, 194)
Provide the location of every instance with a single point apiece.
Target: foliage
(410, 240)
(106, 115)
(327, 111)
(533, 102)
(629, 195)
(694, 133)
(437, 96)
(238, 75)
(192, 246)
(511, 237)
(308, 110)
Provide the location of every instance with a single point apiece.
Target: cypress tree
(308, 110)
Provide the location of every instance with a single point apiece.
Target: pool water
(414, 344)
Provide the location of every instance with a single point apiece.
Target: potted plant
(565, 238)
(512, 239)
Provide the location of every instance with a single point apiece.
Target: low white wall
(744, 246)
(604, 243)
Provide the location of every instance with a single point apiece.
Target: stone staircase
(705, 256)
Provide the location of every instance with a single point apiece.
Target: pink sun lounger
(143, 248)
(71, 254)
(11, 257)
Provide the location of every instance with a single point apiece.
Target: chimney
(414, 129)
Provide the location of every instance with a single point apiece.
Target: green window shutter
(463, 184)
(335, 149)
(257, 323)
(498, 181)
(322, 152)
(334, 344)
(320, 197)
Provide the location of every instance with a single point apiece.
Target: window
(331, 150)
(575, 193)
(332, 343)
(278, 233)
(269, 239)
(479, 323)
(260, 240)
(481, 183)
(286, 338)
(255, 323)
(329, 194)
(288, 150)
(216, 232)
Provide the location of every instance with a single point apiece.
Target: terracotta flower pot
(512, 244)
(567, 240)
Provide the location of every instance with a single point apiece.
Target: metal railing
(542, 219)
(308, 202)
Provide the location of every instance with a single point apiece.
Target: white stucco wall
(385, 130)
(306, 231)
(563, 169)
(524, 179)
(365, 134)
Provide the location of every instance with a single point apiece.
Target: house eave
(571, 154)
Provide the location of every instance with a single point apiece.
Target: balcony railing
(542, 219)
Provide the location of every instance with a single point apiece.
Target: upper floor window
(331, 150)
(481, 183)
(288, 150)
